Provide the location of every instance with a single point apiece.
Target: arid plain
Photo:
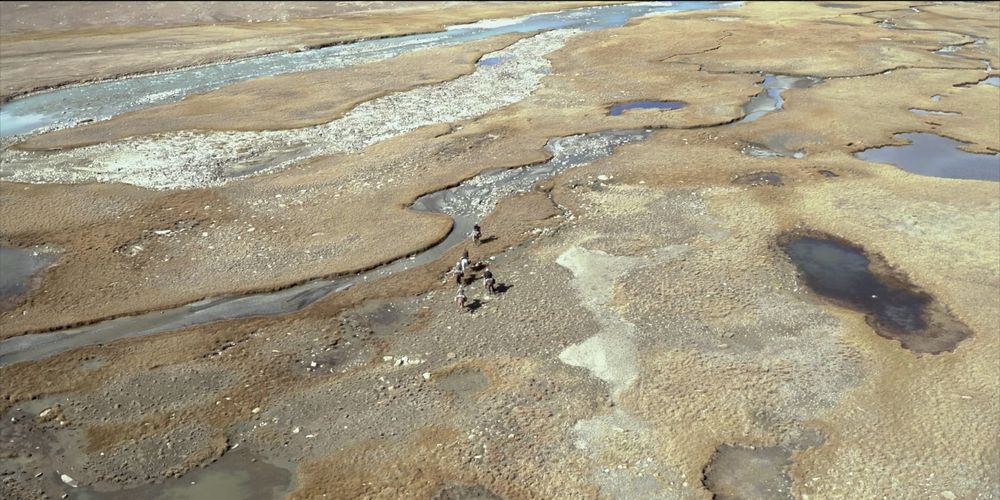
(658, 333)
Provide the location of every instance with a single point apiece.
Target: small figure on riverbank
(477, 234)
(460, 297)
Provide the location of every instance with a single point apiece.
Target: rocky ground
(652, 339)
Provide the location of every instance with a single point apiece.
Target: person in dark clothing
(477, 233)
(489, 282)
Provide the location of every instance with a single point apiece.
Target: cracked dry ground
(653, 340)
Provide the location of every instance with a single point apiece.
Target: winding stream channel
(466, 204)
(67, 106)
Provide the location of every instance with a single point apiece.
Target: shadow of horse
(474, 305)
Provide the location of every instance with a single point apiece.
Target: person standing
(477, 233)
(460, 297)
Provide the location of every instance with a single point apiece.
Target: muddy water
(894, 308)
(236, 476)
(618, 109)
(68, 106)
(17, 267)
(466, 203)
(936, 156)
(770, 99)
(738, 472)
(760, 179)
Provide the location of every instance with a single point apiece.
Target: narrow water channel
(67, 106)
(466, 203)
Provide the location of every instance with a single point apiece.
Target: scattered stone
(68, 480)
(255, 410)
(427, 375)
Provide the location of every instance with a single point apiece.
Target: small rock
(68, 480)
(427, 375)
(386, 358)
(296, 430)
(255, 410)
(948, 494)
(45, 413)
(312, 364)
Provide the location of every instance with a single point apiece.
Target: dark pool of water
(936, 156)
(618, 109)
(760, 179)
(895, 308)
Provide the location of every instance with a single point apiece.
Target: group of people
(489, 282)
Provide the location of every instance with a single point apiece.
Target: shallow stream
(466, 203)
(67, 106)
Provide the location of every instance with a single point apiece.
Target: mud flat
(674, 321)
(466, 204)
